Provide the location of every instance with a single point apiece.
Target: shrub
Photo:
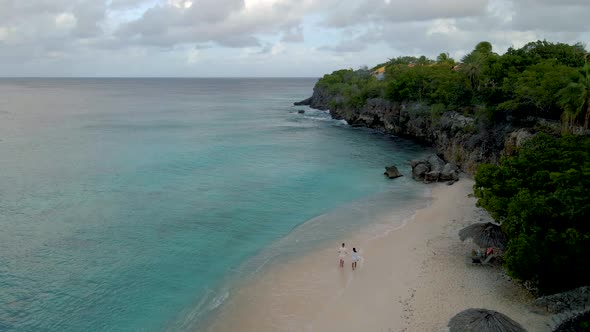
(542, 198)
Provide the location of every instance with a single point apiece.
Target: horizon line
(159, 77)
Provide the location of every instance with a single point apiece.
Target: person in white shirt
(355, 258)
(342, 253)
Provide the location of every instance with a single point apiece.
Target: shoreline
(412, 278)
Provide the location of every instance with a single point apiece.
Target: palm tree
(575, 99)
(475, 61)
(472, 66)
(484, 47)
(445, 59)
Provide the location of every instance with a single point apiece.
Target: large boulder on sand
(419, 171)
(434, 169)
(450, 172)
(392, 172)
(431, 176)
(436, 164)
(575, 300)
(415, 162)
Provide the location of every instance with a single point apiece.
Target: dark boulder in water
(300, 111)
(392, 172)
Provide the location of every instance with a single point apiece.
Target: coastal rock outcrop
(576, 300)
(303, 102)
(457, 137)
(566, 308)
(450, 172)
(419, 171)
(574, 324)
(431, 176)
(436, 164)
(515, 140)
(434, 169)
(392, 172)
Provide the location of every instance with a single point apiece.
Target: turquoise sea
(133, 204)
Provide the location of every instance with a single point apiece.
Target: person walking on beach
(355, 258)
(342, 252)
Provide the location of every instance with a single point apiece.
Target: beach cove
(136, 204)
(218, 166)
(177, 215)
(413, 278)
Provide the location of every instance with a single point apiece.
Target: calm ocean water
(132, 204)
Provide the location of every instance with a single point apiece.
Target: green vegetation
(542, 198)
(575, 98)
(541, 195)
(351, 89)
(541, 79)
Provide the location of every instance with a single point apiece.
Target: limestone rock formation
(419, 170)
(575, 300)
(392, 172)
(450, 172)
(436, 164)
(434, 169)
(457, 137)
(303, 102)
(515, 140)
(432, 176)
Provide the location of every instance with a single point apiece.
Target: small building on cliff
(379, 73)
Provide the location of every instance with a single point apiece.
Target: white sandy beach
(411, 279)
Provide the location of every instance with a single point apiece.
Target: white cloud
(3, 34)
(277, 49)
(259, 4)
(442, 26)
(65, 21)
(182, 4)
(193, 56)
(45, 37)
(354, 13)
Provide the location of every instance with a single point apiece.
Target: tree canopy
(542, 79)
(541, 195)
(542, 198)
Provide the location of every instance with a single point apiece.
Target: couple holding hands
(354, 256)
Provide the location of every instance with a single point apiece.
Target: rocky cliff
(458, 138)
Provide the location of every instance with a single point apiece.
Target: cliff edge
(462, 139)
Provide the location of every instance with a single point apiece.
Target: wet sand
(414, 278)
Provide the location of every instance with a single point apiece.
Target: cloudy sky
(204, 38)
